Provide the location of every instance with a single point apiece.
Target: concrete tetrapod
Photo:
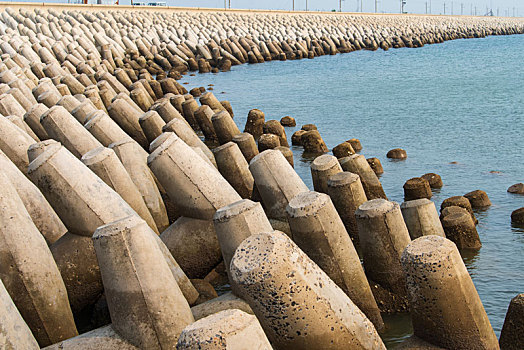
(125, 250)
(41, 212)
(383, 237)
(184, 131)
(127, 116)
(322, 168)
(83, 202)
(227, 330)
(445, 307)
(132, 157)
(511, 336)
(318, 230)
(104, 338)
(14, 333)
(247, 145)
(224, 302)
(421, 218)
(233, 166)
(32, 118)
(280, 283)
(358, 164)
(106, 165)
(194, 245)
(225, 127)
(347, 194)
(62, 126)
(104, 129)
(14, 143)
(276, 181)
(197, 189)
(29, 272)
(235, 222)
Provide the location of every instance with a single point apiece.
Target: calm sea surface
(461, 101)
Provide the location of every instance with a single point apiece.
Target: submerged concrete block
(197, 189)
(29, 272)
(511, 336)
(318, 230)
(276, 181)
(280, 283)
(445, 307)
(137, 278)
(228, 329)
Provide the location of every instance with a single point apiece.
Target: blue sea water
(461, 101)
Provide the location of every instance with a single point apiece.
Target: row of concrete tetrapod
(101, 176)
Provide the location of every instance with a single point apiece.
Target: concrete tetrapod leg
(321, 169)
(347, 194)
(62, 126)
(41, 212)
(276, 181)
(247, 145)
(126, 250)
(203, 117)
(83, 202)
(188, 290)
(133, 160)
(14, 333)
(194, 245)
(104, 163)
(224, 126)
(104, 338)
(255, 123)
(227, 330)
(460, 228)
(14, 143)
(104, 129)
(127, 116)
(280, 283)
(445, 307)
(383, 237)
(32, 118)
(236, 222)
(210, 100)
(226, 301)
(318, 230)
(358, 164)
(29, 272)
(81, 199)
(151, 124)
(184, 131)
(511, 336)
(197, 189)
(421, 218)
(233, 166)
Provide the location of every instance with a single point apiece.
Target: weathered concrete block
(445, 307)
(280, 283)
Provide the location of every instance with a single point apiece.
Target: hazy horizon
(466, 7)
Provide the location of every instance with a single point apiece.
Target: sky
(500, 7)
